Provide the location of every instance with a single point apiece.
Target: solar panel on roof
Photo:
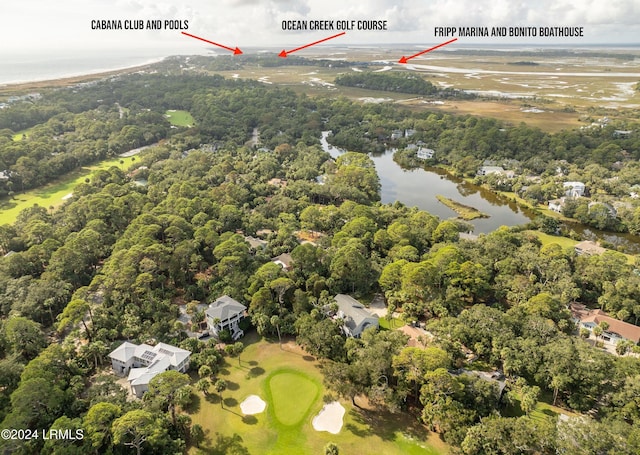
(148, 355)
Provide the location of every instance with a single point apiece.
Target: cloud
(255, 23)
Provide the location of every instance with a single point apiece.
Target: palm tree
(203, 386)
(275, 321)
(220, 387)
(238, 347)
(205, 371)
(597, 331)
(216, 322)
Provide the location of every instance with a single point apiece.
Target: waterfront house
(589, 248)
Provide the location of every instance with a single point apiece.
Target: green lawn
(278, 389)
(543, 410)
(566, 242)
(52, 194)
(20, 134)
(290, 381)
(547, 239)
(392, 324)
(179, 118)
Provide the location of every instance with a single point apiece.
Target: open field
(548, 91)
(179, 118)
(509, 111)
(566, 242)
(53, 194)
(547, 239)
(544, 409)
(21, 134)
(290, 381)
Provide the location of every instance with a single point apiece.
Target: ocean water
(28, 67)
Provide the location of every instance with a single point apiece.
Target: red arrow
(285, 53)
(405, 59)
(235, 51)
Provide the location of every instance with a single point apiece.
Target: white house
(425, 153)
(397, 134)
(143, 362)
(354, 315)
(226, 313)
(574, 189)
(556, 205)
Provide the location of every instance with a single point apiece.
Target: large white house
(574, 189)
(424, 153)
(226, 313)
(356, 319)
(141, 363)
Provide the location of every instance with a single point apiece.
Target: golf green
(292, 394)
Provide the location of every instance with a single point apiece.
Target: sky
(65, 25)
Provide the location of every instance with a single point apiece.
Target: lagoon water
(419, 187)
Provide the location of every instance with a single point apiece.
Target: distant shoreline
(17, 87)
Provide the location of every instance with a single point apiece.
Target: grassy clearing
(566, 242)
(547, 239)
(544, 409)
(52, 194)
(392, 324)
(22, 134)
(510, 111)
(561, 98)
(464, 211)
(290, 381)
(179, 118)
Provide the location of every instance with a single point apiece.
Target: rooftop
(355, 311)
(224, 308)
(589, 247)
(284, 260)
(624, 329)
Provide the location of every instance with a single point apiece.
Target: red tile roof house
(618, 330)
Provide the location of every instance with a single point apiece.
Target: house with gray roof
(256, 244)
(284, 260)
(226, 313)
(356, 318)
(143, 362)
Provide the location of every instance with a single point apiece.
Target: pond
(419, 187)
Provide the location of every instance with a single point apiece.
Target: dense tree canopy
(117, 260)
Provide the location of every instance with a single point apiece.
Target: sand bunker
(253, 404)
(330, 418)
